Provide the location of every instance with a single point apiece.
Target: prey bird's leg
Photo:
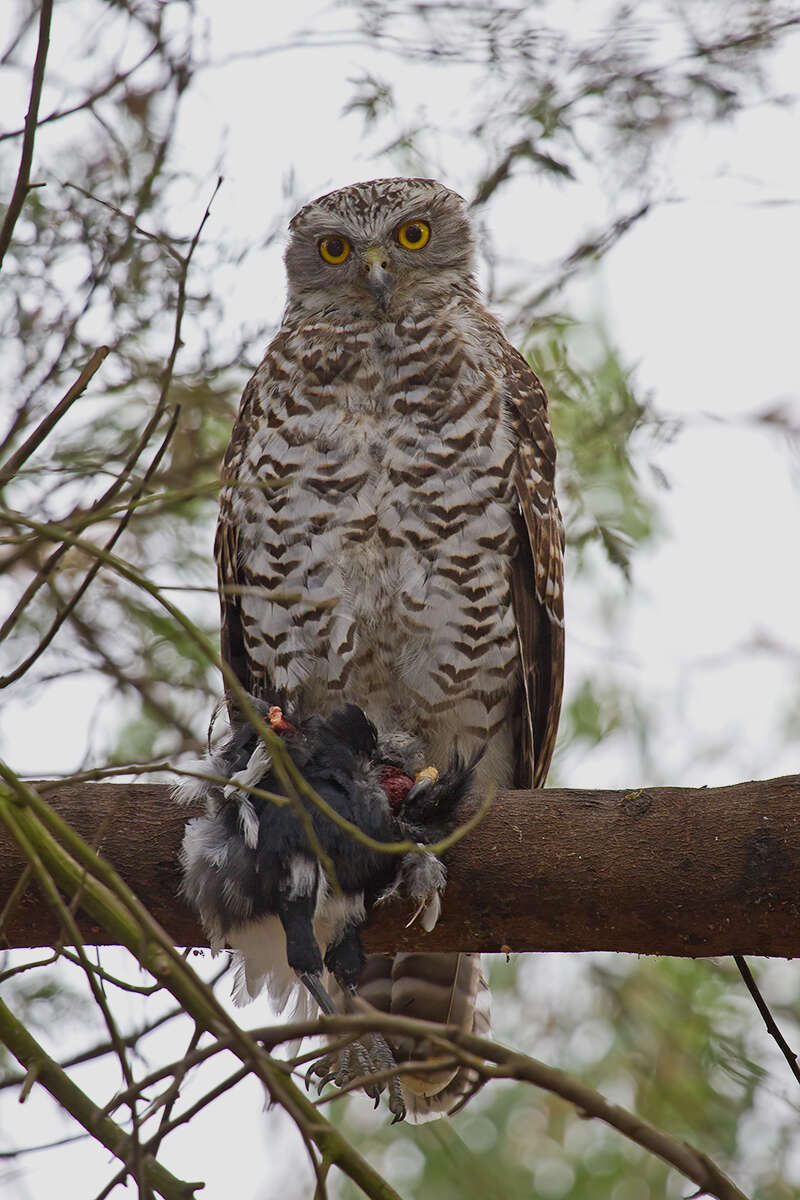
(314, 985)
(296, 905)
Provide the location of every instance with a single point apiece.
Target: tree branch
(770, 1022)
(12, 465)
(49, 1074)
(493, 1061)
(21, 187)
(112, 904)
(678, 871)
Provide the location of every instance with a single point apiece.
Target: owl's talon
(320, 1073)
(359, 1061)
(397, 1104)
(364, 1063)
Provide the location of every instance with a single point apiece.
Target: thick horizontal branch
(682, 871)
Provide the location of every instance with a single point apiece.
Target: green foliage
(596, 709)
(630, 74)
(601, 426)
(95, 260)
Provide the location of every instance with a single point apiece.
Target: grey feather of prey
(251, 870)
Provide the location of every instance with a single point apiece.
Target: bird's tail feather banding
(448, 988)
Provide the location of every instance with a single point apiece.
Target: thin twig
(85, 519)
(74, 1101)
(107, 977)
(65, 1141)
(107, 899)
(160, 239)
(103, 1048)
(87, 102)
(80, 591)
(12, 464)
(152, 1144)
(495, 1061)
(142, 442)
(70, 929)
(16, 894)
(21, 187)
(769, 1020)
(19, 970)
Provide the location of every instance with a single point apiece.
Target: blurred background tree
(563, 130)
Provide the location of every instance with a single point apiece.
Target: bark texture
(681, 871)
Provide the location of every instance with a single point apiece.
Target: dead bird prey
(252, 874)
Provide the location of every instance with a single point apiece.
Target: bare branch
(679, 871)
(57, 853)
(88, 101)
(12, 464)
(480, 1053)
(66, 610)
(78, 869)
(75, 1101)
(769, 1020)
(21, 187)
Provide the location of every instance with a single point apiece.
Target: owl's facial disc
(378, 279)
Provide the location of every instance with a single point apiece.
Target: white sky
(702, 296)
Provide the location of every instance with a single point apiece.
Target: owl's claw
(326, 1078)
(360, 1060)
(322, 1072)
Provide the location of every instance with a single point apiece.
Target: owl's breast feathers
(390, 532)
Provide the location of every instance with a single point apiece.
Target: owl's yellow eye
(414, 235)
(334, 249)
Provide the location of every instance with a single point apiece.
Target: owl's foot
(371, 1055)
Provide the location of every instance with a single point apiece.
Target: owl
(389, 534)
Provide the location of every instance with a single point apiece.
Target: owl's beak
(379, 281)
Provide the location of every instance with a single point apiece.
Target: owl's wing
(537, 573)
(230, 575)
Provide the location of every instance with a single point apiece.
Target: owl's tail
(447, 988)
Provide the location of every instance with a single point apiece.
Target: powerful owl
(389, 534)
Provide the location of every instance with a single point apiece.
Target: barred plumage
(389, 534)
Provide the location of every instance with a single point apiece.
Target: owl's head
(380, 243)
